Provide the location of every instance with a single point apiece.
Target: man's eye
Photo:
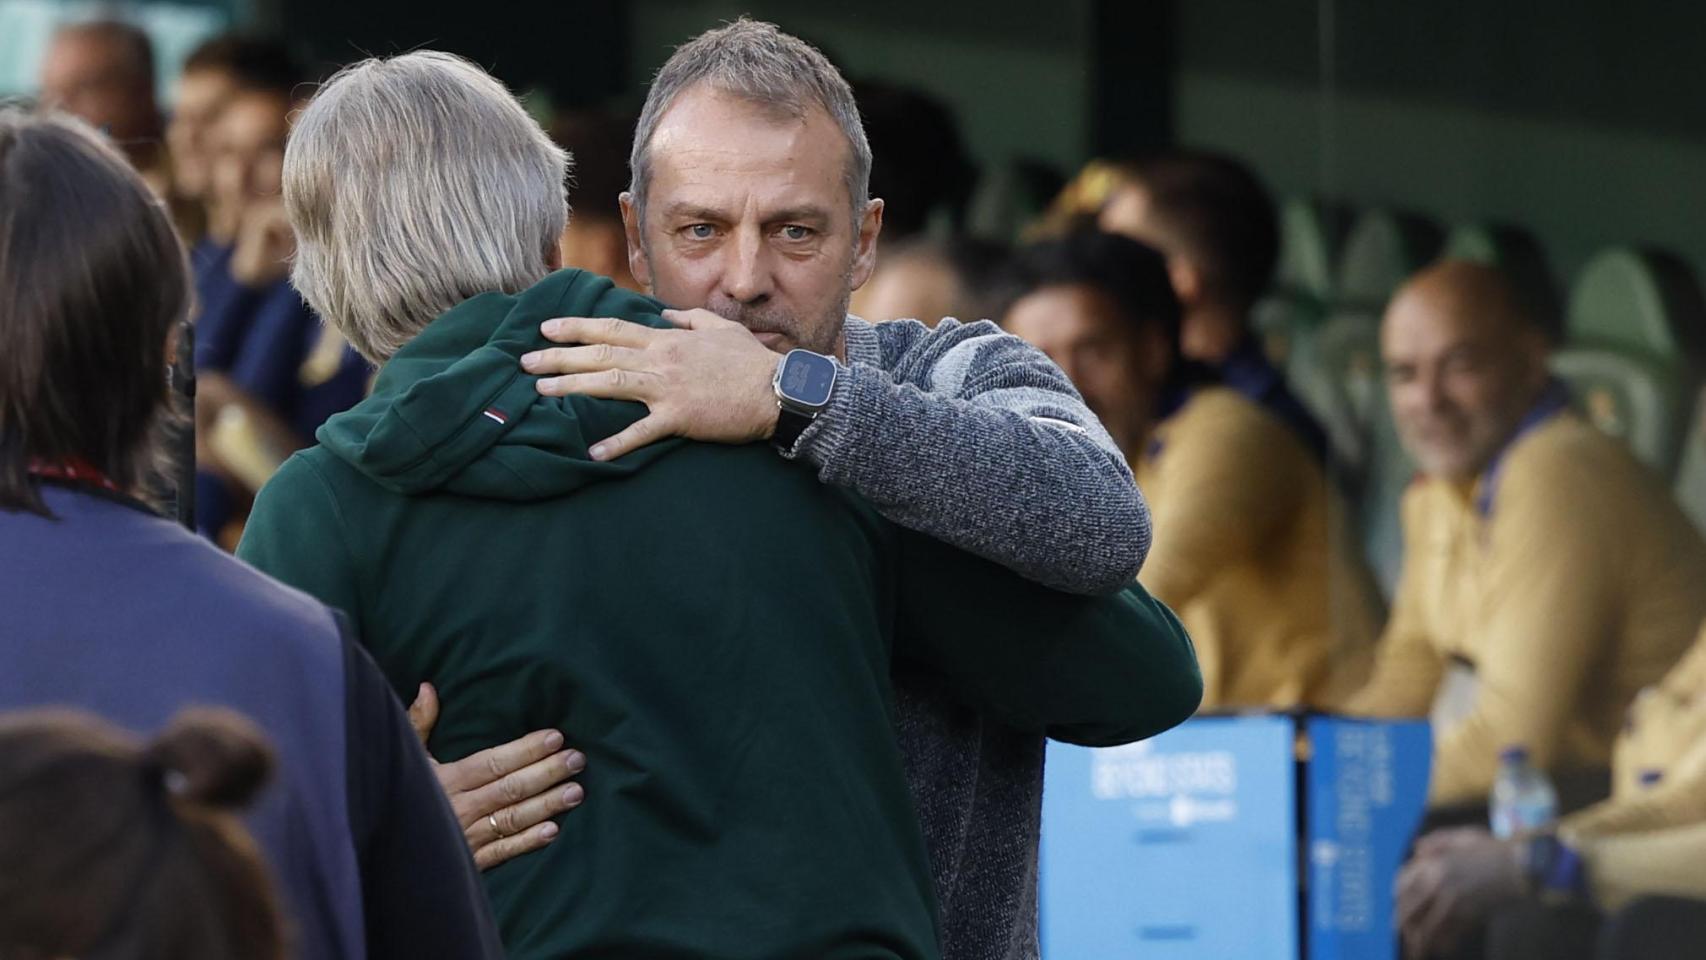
(794, 231)
(701, 231)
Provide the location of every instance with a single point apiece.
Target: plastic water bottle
(1523, 799)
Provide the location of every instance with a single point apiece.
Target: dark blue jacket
(112, 609)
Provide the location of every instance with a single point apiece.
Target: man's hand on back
(505, 797)
(710, 379)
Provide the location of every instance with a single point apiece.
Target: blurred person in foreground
(713, 624)
(750, 200)
(119, 849)
(268, 371)
(1547, 575)
(1281, 614)
(1620, 880)
(1215, 223)
(114, 609)
(103, 72)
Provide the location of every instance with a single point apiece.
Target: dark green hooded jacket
(711, 625)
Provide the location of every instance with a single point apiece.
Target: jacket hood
(453, 411)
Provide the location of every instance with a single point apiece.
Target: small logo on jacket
(496, 416)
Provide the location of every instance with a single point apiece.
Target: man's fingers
(639, 434)
(478, 770)
(502, 851)
(609, 384)
(521, 817)
(616, 332)
(585, 359)
(519, 786)
(423, 713)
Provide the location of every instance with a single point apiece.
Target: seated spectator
(1550, 894)
(103, 72)
(213, 73)
(1216, 224)
(927, 280)
(113, 609)
(717, 630)
(115, 849)
(268, 371)
(1547, 575)
(594, 240)
(1281, 614)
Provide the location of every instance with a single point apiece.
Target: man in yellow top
(1547, 576)
(1549, 894)
(1282, 615)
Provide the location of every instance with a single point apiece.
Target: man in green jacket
(716, 626)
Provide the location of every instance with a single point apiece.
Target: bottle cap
(1513, 754)
(1650, 777)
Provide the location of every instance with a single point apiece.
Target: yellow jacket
(1567, 578)
(1249, 550)
(1651, 838)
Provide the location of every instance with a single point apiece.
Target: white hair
(760, 64)
(414, 183)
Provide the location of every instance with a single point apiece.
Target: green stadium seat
(1691, 475)
(1382, 250)
(1640, 302)
(1385, 479)
(1519, 255)
(1310, 234)
(1628, 396)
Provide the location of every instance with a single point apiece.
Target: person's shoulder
(1221, 416)
(1569, 458)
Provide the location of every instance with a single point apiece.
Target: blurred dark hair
(132, 39)
(1219, 215)
(92, 282)
(255, 63)
(599, 141)
(113, 849)
(918, 161)
(1131, 275)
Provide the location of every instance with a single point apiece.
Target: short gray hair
(757, 62)
(414, 183)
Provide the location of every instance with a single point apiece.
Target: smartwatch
(803, 383)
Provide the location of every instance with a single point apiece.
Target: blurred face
(92, 77)
(247, 155)
(1119, 373)
(747, 214)
(1459, 379)
(920, 288)
(201, 95)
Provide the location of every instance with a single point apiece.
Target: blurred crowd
(1550, 596)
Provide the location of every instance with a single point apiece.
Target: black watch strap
(789, 425)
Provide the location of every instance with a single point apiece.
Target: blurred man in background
(927, 280)
(594, 239)
(1214, 221)
(1547, 575)
(1635, 859)
(1281, 614)
(103, 72)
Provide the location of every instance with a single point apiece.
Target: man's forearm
(1006, 464)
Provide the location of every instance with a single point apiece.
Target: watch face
(807, 378)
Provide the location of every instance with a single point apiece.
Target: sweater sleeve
(973, 436)
(1090, 670)
(421, 895)
(1408, 665)
(1542, 626)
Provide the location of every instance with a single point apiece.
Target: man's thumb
(423, 713)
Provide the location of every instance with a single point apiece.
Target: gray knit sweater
(974, 437)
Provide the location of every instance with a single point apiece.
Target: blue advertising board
(1182, 846)
(1190, 846)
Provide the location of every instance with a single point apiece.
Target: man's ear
(1187, 280)
(865, 244)
(638, 264)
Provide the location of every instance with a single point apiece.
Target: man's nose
(746, 271)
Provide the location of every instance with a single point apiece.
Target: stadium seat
(1634, 324)
(1628, 396)
(1387, 474)
(1382, 250)
(1691, 475)
(1310, 234)
(1516, 252)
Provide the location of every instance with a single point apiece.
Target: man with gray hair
(715, 626)
(749, 198)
